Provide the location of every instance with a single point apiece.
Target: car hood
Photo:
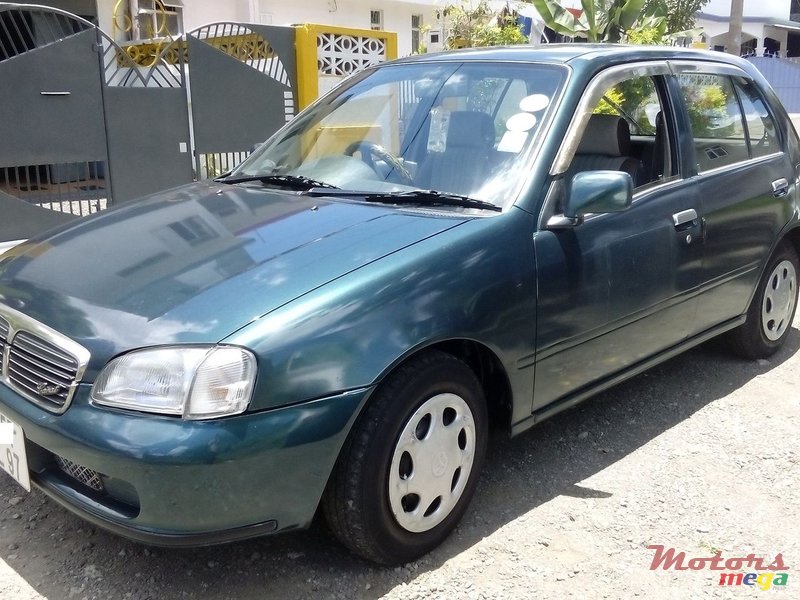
(194, 264)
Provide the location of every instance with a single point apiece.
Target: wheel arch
(487, 367)
(793, 237)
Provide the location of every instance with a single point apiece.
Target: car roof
(589, 55)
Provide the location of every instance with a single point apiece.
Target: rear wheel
(769, 318)
(411, 463)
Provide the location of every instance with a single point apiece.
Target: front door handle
(780, 187)
(684, 217)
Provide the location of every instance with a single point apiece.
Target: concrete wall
(197, 13)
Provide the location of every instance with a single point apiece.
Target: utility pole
(734, 45)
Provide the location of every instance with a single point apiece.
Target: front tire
(769, 318)
(411, 464)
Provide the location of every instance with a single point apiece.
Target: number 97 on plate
(12, 452)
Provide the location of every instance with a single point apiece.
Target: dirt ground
(701, 454)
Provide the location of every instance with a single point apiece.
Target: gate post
(327, 54)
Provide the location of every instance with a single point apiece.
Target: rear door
(744, 174)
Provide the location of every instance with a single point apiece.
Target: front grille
(86, 476)
(41, 369)
(41, 364)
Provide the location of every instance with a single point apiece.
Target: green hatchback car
(442, 243)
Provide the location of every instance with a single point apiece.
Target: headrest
(606, 134)
(470, 129)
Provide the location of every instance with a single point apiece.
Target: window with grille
(416, 26)
(153, 19)
(376, 20)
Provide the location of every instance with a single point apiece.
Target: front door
(619, 288)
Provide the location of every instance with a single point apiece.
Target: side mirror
(598, 192)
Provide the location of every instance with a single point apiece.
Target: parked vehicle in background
(443, 243)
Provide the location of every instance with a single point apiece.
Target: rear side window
(730, 121)
(718, 129)
(761, 131)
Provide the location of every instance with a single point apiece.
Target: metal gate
(784, 76)
(82, 123)
(85, 123)
(52, 145)
(241, 79)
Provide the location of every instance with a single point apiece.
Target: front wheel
(411, 464)
(769, 318)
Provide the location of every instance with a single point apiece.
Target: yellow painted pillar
(307, 69)
(306, 52)
(391, 45)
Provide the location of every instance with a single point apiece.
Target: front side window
(465, 129)
(627, 131)
(636, 100)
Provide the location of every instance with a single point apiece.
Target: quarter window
(761, 131)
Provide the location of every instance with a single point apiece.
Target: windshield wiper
(420, 197)
(297, 182)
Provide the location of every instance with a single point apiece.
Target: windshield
(456, 128)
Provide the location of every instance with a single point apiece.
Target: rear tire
(770, 316)
(411, 463)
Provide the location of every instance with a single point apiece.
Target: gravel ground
(700, 454)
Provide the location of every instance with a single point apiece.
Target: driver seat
(605, 145)
(464, 164)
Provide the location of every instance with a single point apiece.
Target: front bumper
(167, 481)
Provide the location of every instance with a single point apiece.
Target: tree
(600, 20)
(679, 14)
(470, 25)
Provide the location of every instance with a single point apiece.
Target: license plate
(12, 452)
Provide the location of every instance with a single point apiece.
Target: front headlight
(196, 382)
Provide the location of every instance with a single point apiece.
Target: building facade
(137, 20)
(769, 28)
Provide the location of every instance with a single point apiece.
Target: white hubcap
(431, 462)
(779, 299)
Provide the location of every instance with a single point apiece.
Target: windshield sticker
(440, 124)
(512, 141)
(534, 103)
(521, 122)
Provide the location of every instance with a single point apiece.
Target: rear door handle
(684, 217)
(780, 187)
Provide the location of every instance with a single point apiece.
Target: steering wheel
(370, 150)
